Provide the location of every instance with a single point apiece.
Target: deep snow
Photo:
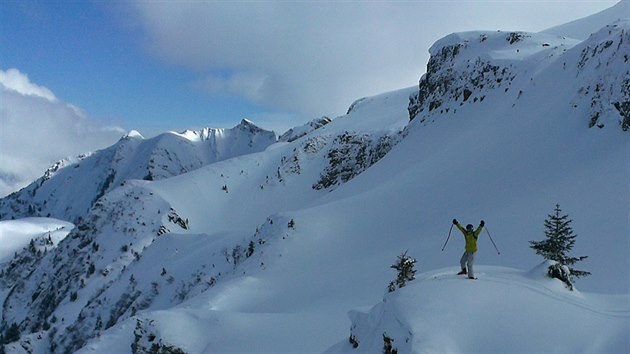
(441, 312)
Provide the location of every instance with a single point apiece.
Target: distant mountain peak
(249, 126)
(133, 134)
(298, 132)
(133, 157)
(246, 122)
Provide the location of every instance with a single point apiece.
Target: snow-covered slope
(140, 227)
(298, 132)
(267, 252)
(584, 27)
(467, 68)
(70, 187)
(506, 308)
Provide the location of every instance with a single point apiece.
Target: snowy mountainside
(116, 262)
(268, 251)
(605, 52)
(465, 68)
(582, 28)
(23, 243)
(69, 188)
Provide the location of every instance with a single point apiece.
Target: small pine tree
(559, 242)
(404, 265)
(250, 249)
(12, 334)
(388, 345)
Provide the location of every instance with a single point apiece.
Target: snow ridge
(466, 68)
(298, 132)
(70, 187)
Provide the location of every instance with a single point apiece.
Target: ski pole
(494, 244)
(449, 236)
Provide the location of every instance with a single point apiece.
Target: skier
(468, 258)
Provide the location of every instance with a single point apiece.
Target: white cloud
(306, 58)
(37, 129)
(14, 80)
(243, 84)
(316, 58)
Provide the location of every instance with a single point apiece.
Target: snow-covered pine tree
(558, 243)
(404, 265)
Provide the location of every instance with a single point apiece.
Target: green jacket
(471, 237)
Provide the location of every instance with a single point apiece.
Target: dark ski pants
(468, 258)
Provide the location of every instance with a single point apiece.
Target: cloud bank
(316, 58)
(303, 57)
(37, 129)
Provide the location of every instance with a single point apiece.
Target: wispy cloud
(37, 129)
(304, 57)
(242, 84)
(316, 58)
(14, 80)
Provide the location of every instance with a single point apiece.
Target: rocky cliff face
(298, 132)
(465, 68)
(603, 70)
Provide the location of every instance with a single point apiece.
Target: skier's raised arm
(460, 227)
(480, 227)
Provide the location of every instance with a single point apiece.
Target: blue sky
(75, 75)
(87, 55)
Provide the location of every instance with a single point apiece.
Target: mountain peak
(133, 134)
(298, 132)
(133, 157)
(246, 121)
(249, 127)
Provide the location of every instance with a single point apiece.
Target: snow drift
(505, 308)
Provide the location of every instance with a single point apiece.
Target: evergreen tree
(559, 242)
(12, 334)
(404, 265)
